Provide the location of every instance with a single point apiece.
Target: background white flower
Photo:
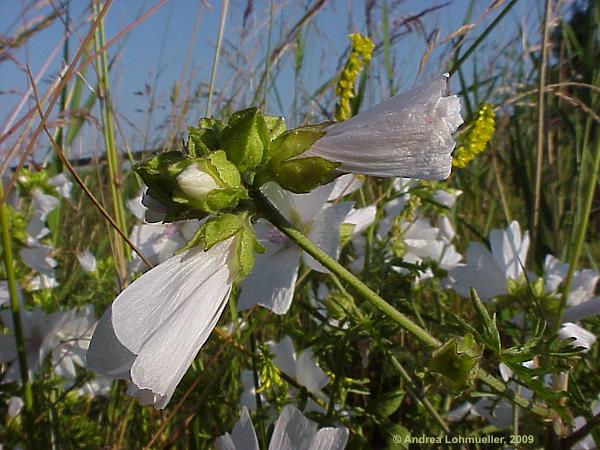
(487, 271)
(292, 431)
(271, 283)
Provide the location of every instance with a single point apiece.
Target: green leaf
(305, 174)
(388, 403)
(245, 138)
(490, 334)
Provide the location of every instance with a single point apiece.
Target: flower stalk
(279, 221)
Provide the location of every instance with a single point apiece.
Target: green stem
(213, 75)
(275, 217)
(280, 222)
(121, 249)
(16, 317)
(413, 392)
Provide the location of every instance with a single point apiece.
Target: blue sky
(158, 46)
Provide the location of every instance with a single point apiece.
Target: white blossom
(409, 135)
(292, 431)
(271, 283)
(488, 271)
(153, 330)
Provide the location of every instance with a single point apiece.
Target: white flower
(582, 337)
(487, 271)
(583, 284)
(196, 183)
(153, 330)
(43, 203)
(271, 283)
(299, 366)
(87, 261)
(445, 197)
(64, 335)
(409, 135)
(98, 387)
(62, 184)
(292, 431)
(15, 405)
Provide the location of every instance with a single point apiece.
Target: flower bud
(195, 183)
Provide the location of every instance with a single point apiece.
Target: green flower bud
(245, 138)
(456, 361)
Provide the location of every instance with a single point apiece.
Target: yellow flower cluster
(269, 372)
(360, 54)
(474, 140)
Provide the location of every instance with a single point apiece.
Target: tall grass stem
(213, 75)
(16, 317)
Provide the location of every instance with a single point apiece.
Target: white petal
(309, 374)
(409, 135)
(43, 203)
(583, 338)
(284, 356)
(509, 250)
(590, 308)
(299, 209)
(243, 436)
(459, 413)
(163, 318)
(62, 184)
(446, 198)
(325, 232)
(361, 218)
(446, 229)
(135, 206)
(292, 431)
(344, 185)
(330, 439)
(38, 258)
(271, 283)
(481, 272)
(87, 261)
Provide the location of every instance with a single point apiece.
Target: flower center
(277, 237)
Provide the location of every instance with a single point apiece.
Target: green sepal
(159, 174)
(457, 361)
(246, 248)
(293, 143)
(227, 171)
(213, 231)
(275, 126)
(305, 174)
(206, 138)
(245, 138)
(222, 227)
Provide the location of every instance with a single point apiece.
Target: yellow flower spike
(269, 372)
(474, 140)
(360, 54)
